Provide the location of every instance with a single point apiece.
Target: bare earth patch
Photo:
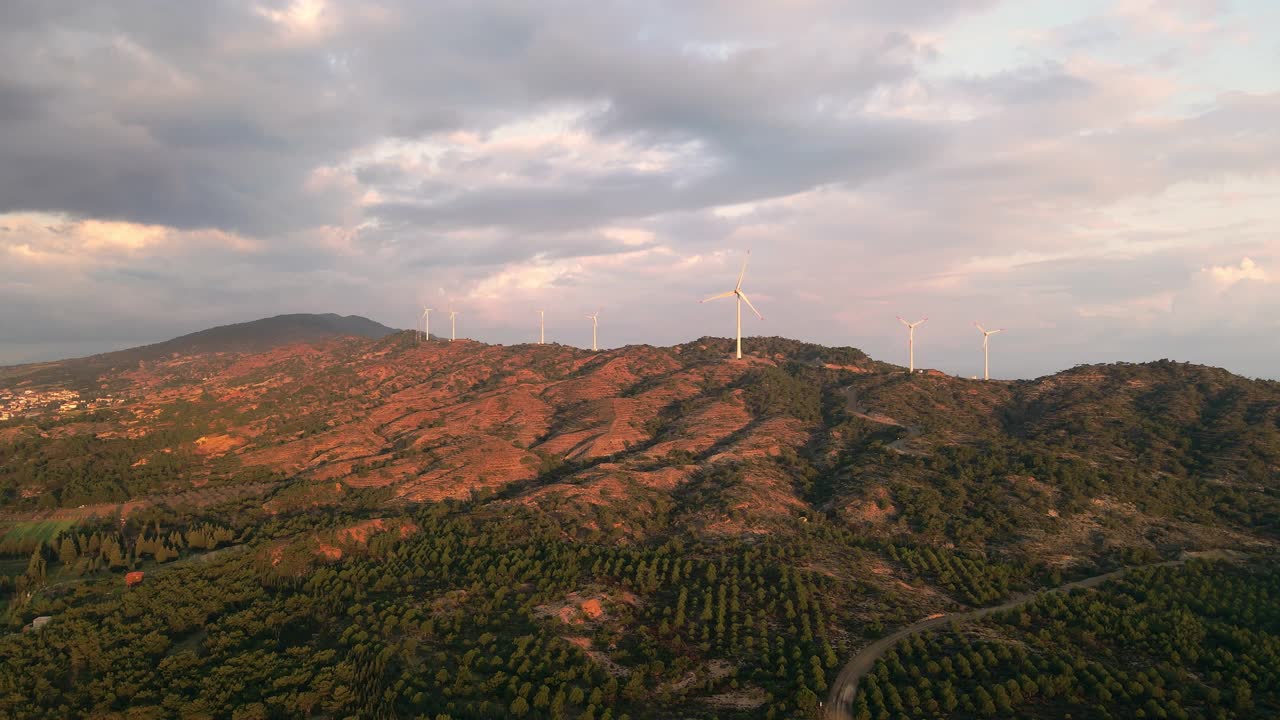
(217, 444)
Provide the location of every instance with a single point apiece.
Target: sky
(1100, 179)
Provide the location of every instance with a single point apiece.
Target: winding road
(899, 445)
(839, 705)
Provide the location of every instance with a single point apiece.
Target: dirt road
(839, 704)
(899, 445)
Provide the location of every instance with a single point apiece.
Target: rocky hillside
(635, 441)
(395, 528)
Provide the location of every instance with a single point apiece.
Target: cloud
(166, 167)
(1227, 275)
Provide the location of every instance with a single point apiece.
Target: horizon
(1098, 179)
(728, 340)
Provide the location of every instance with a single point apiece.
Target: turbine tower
(453, 320)
(426, 321)
(911, 342)
(741, 297)
(595, 319)
(542, 327)
(986, 351)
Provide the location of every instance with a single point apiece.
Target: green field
(25, 536)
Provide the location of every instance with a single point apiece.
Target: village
(33, 403)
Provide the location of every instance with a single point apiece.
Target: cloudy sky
(1100, 178)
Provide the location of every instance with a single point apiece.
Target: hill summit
(245, 337)
(267, 333)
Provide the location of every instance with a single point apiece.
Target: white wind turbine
(453, 320)
(542, 327)
(426, 321)
(986, 351)
(911, 342)
(741, 297)
(595, 320)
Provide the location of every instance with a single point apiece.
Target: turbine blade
(717, 297)
(980, 328)
(904, 322)
(744, 271)
(748, 302)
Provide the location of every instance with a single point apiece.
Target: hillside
(544, 497)
(245, 337)
(809, 429)
(264, 334)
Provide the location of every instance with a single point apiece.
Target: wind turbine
(453, 320)
(986, 353)
(911, 342)
(542, 327)
(426, 321)
(595, 320)
(741, 297)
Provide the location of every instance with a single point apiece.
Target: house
(133, 578)
(37, 624)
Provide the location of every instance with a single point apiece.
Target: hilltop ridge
(793, 430)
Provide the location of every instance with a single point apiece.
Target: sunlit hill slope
(637, 441)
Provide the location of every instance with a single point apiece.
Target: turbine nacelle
(985, 332)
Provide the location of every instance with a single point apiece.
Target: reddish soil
(767, 439)
(706, 426)
(360, 533)
(444, 420)
(328, 552)
(876, 509)
(13, 434)
(337, 544)
(850, 368)
(592, 609)
(217, 444)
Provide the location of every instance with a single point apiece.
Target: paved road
(839, 705)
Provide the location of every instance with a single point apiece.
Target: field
(27, 535)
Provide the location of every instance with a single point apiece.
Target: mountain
(446, 528)
(245, 337)
(264, 334)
